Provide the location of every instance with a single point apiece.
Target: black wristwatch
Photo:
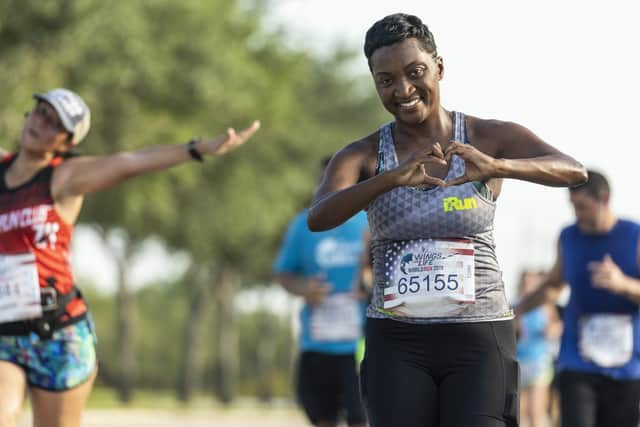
(193, 151)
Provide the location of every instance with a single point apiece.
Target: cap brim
(56, 106)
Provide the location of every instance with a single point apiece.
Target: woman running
(47, 344)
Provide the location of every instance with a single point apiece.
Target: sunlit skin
(43, 136)
(407, 79)
(43, 133)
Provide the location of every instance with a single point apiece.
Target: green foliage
(161, 321)
(158, 72)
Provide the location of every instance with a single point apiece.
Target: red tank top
(29, 223)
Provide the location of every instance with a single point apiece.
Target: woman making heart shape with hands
(440, 339)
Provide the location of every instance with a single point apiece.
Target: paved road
(195, 418)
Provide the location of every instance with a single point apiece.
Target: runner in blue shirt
(323, 268)
(599, 360)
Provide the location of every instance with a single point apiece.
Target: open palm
(231, 140)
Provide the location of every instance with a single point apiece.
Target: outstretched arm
(509, 150)
(83, 175)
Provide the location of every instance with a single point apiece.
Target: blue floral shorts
(61, 363)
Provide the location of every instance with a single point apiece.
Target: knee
(10, 414)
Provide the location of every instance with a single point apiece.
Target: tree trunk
(126, 372)
(266, 354)
(126, 341)
(199, 303)
(226, 338)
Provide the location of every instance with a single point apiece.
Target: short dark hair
(395, 28)
(597, 185)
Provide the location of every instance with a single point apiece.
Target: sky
(566, 70)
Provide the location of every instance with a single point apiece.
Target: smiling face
(43, 132)
(407, 79)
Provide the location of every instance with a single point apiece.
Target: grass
(106, 398)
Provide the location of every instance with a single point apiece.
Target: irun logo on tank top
(451, 204)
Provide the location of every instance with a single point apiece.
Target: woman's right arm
(3, 153)
(340, 196)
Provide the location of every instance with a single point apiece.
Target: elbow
(314, 223)
(577, 175)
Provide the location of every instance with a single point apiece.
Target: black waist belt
(53, 306)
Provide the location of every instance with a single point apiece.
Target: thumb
(457, 181)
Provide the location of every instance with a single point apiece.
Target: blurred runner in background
(537, 331)
(324, 269)
(599, 360)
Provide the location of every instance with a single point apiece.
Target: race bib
(606, 339)
(429, 278)
(19, 288)
(338, 318)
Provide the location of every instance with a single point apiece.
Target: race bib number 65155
(430, 278)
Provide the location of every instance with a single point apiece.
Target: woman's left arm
(509, 150)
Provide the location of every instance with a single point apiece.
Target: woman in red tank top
(47, 345)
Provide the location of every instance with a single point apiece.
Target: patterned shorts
(61, 363)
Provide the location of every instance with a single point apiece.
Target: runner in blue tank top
(440, 340)
(324, 268)
(599, 360)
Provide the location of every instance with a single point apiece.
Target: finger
(594, 266)
(457, 181)
(601, 279)
(453, 145)
(455, 148)
(248, 132)
(607, 259)
(427, 156)
(437, 150)
(434, 181)
(434, 161)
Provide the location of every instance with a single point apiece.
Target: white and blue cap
(72, 110)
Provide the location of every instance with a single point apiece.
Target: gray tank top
(405, 214)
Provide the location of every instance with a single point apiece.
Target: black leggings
(449, 375)
(593, 400)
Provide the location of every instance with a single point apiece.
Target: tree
(161, 72)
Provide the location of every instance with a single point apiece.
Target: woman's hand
(478, 166)
(412, 171)
(230, 141)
